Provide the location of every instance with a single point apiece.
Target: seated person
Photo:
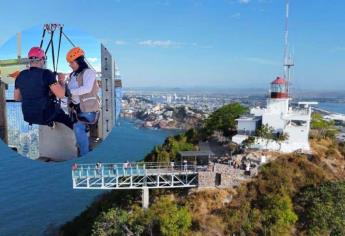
(34, 87)
(83, 99)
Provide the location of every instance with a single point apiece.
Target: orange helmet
(74, 53)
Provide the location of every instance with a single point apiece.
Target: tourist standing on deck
(83, 97)
(38, 89)
(185, 165)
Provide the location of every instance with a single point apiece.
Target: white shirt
(89, 78)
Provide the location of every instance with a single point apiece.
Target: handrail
(137, 168)
(137, 165)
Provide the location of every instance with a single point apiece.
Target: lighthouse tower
(278, 100)
(277, 104)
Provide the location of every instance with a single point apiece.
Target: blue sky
(202, 43)
(32, 37)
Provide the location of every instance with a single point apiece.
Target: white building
(279, 115)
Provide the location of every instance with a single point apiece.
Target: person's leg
(81, 137)
(63, 118)
(87, 116)
(81, 134)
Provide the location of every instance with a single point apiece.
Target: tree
(171, 219)
(170, 149)
(278, 214)
(117, 221)
(112, 222)
(265, 132)
(224, 119)
(281, 137)
(321, 209)
(248, 141)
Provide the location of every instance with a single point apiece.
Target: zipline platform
(135, 175)
(154, 175)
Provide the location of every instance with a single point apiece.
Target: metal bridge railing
(131, 169)
(134, 175)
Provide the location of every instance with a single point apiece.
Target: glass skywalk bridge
(135, 175)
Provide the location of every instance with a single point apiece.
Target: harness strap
(84, 121)
(53, 53)
(58, 52)
(43, 34)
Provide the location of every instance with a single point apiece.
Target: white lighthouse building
(283, 118)
(278, 114)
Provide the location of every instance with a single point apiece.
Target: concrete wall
(229, 177)
(274, 120)
(206, 179)
(278, 105)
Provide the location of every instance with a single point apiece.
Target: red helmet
(36, 52)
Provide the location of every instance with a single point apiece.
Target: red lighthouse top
(279, 88)
(279, 80)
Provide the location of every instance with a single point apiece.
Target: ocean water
(36, 195)
(333, 107)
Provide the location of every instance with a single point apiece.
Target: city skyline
(203, 43)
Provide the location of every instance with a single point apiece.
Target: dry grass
(292, 171)
(330, 157)
(204, 205)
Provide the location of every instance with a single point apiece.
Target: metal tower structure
(288, 60)
(107, 117)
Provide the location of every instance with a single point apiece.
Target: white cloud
(262, 61)
(160, 43)
(97, 67)
(120, 42)
(92, 59)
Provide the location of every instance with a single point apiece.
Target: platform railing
(134, 175)
(130, 169)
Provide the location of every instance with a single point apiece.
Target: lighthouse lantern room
(279, 88)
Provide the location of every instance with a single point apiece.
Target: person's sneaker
(51, 124)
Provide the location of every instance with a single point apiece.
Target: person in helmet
(37, 88)
(83, 99)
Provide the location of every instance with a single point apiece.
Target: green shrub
(321, 209)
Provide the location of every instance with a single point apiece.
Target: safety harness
(51, 28)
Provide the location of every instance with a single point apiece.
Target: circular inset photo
(60, 93)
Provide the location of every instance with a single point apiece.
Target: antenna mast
(288, 61)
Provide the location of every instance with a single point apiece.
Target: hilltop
(293, 194)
